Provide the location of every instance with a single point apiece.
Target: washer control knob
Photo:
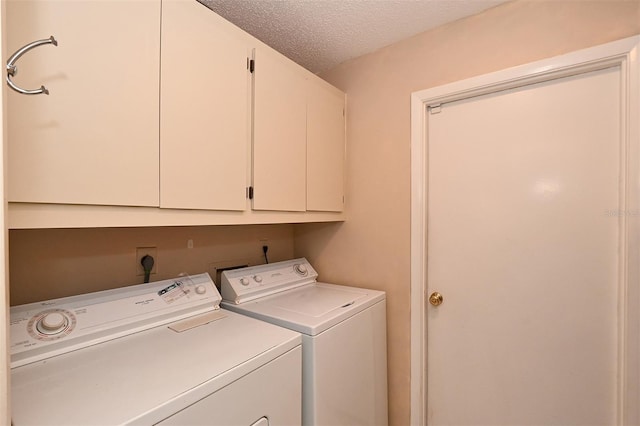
(257, 278)
(201, 289)
(300, 269)
(52, 323)
(244, 281)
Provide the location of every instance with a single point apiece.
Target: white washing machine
(344, 350)
(158, 353)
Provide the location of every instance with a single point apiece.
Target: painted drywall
(5, 396)
(50, 263)
(372, 248)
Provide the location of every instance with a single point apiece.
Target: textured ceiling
(319, 34)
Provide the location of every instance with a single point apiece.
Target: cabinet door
(325, 147)
(205, 121)
(94, 139)
(279, 138)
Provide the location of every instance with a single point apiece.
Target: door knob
(436, 299)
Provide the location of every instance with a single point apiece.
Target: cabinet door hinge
(251, 64)
(250, 192)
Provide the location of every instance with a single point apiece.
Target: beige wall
(5, 397)
(51, 263)
(372, 248)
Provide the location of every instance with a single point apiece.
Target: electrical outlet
(263, 242)
(142, 252)
(264, 255)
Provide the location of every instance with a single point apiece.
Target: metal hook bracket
(12, 69)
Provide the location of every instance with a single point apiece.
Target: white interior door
(523, 241)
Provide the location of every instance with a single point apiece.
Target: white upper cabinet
(325, 147)
(94, 139)
(279, 133)
(157, 117)
(298, 140)
(205, 110)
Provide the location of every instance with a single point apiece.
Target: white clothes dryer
(344, 378)
(158, 353)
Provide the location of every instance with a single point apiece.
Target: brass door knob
(436, 299)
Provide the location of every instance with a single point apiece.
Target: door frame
(623, 53)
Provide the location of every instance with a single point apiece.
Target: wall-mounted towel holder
(12, 69)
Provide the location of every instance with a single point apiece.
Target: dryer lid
(145, 377)
(45, 329)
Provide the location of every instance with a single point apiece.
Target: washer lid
(310, 309)
(316, 301)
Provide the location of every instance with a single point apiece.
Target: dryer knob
(257, 278)
(201, 289)
(52, 323)
(244, 281)
(300, 269)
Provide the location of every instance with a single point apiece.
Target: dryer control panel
(45, 329)
(246, 284)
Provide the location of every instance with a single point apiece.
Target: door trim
(623, 53)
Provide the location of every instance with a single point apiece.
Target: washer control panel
(45, 329)
(246, 284)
